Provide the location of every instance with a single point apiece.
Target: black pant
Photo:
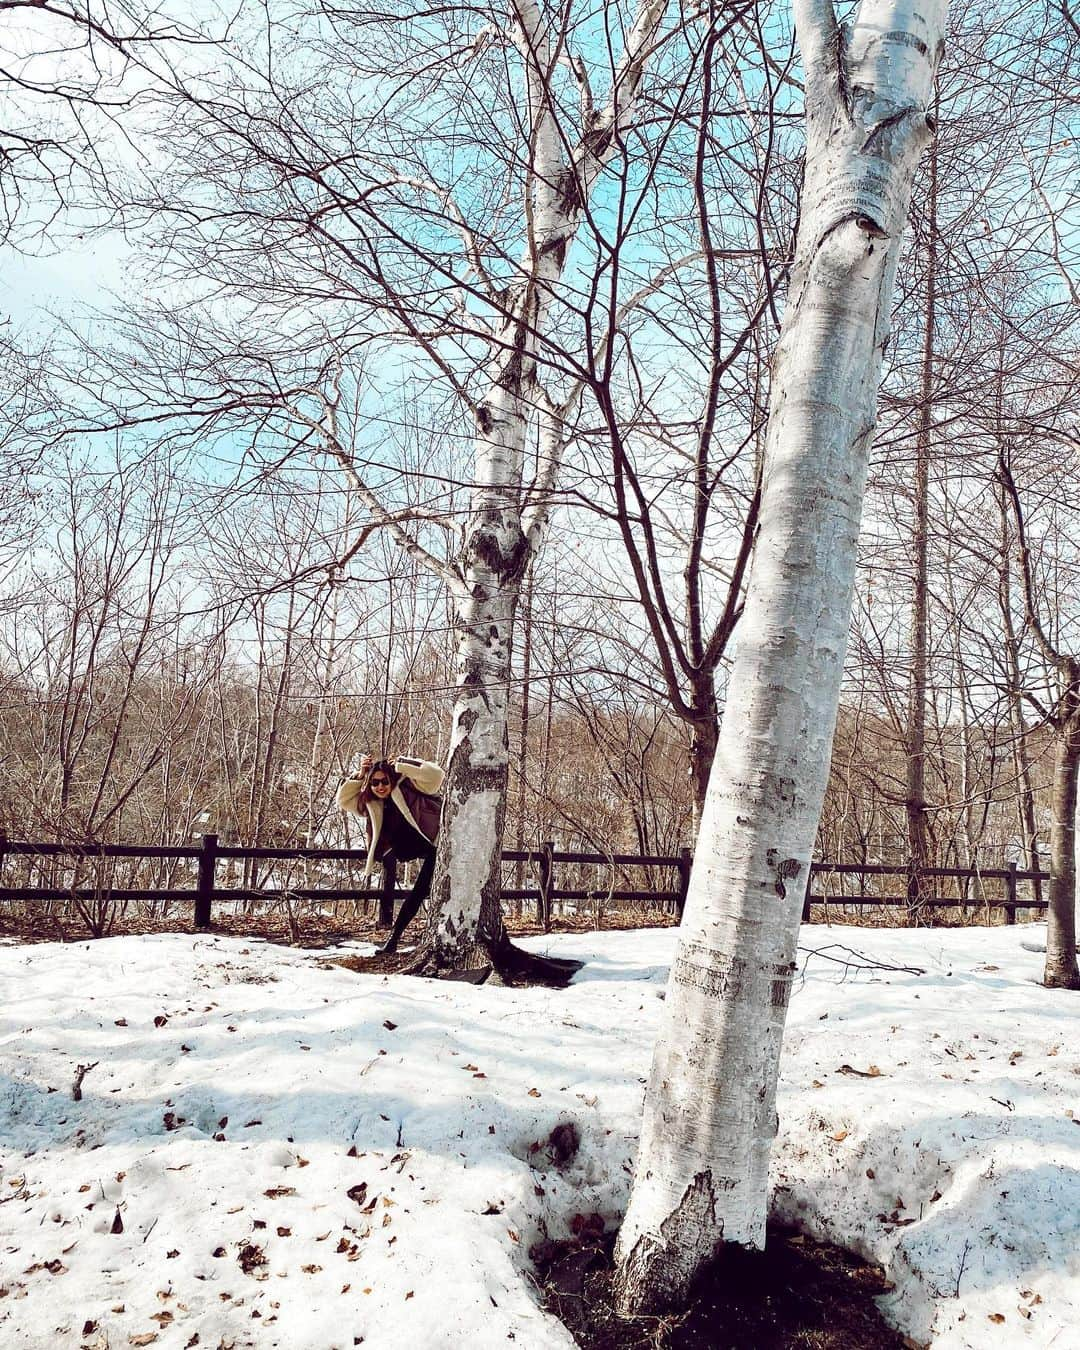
(416, 897)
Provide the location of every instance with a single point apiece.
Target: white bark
(1061, 970)
(502, 530)
(710, 1118)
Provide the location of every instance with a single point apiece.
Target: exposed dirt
(797, 1293)
(28, 923)
(507, 964)
(308, 930)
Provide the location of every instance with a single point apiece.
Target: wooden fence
(541, 862)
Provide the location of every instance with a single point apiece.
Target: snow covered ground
(273, 1152)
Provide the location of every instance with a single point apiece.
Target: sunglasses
(380, 782)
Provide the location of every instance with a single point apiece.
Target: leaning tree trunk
(1061, 970)
(710, 1116)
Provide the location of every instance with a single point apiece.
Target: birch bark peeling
(702, 1172)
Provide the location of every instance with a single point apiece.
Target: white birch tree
(364, 235)
(710, 1114)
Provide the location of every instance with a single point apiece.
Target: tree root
(499, 962)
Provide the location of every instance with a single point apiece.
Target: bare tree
(710, 1116)
(1062, 714)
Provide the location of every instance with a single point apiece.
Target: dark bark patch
(795, 1293)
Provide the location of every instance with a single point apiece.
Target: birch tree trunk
(710, 1116)
(1061, 970)
(467, 928)
(466, 931)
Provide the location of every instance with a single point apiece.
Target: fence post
(806, 893)
(205, 894)
(686, 860)
(1010, 894)
(547, 871)
(386, 897)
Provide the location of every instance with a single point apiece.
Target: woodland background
(201, 625)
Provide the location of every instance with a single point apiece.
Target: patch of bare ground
(31, 923)
(795, 1295)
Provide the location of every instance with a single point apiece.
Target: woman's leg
(412, 902)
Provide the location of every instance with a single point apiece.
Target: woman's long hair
(380, 766)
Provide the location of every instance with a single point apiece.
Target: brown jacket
(414, 796)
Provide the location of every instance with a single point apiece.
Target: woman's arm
(348, 795)
(426, 776)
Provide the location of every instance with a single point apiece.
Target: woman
(402, 810)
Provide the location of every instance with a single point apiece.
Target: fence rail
(209, 852)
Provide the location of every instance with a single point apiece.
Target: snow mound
(272, 1151)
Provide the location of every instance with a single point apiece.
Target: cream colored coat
(418, 774)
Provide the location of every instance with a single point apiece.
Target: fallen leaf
(251, 1257)
(840, 1135)
(534, 1092)
(160, 1020)
(278, 1192)
(144, 1338)
(409, 1294)
(996, 1317)
(311, 1270)
(390, 1026)
(117, 1223)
